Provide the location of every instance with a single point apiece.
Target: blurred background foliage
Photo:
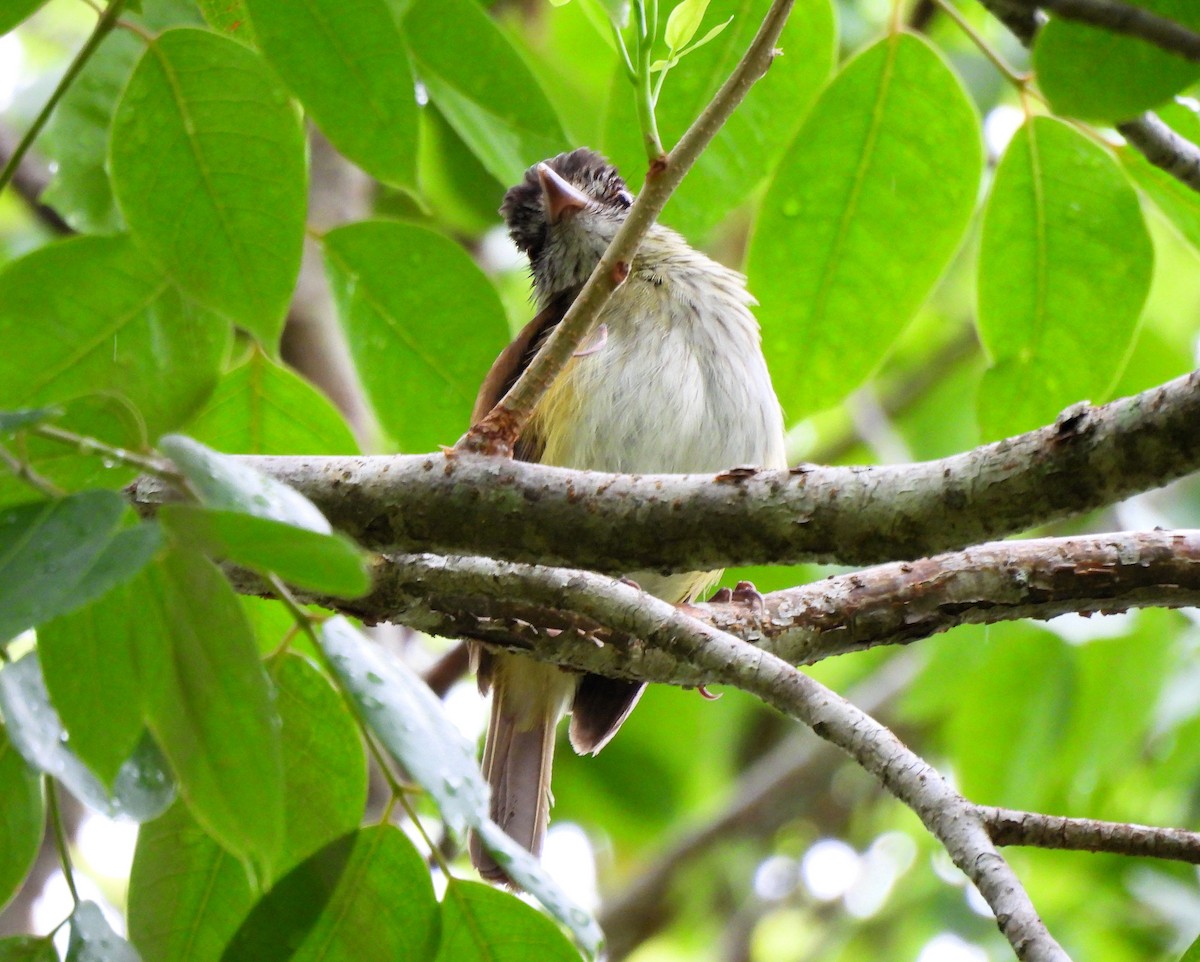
(895, 259)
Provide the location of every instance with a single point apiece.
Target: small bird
(672, 379)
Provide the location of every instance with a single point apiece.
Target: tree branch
(1118, 17)
(1009, 827)
(463, 504)
(498, 431)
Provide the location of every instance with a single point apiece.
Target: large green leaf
(1099, 74)
(56, 556)
(22, 819)
(347, 64)
(423, 322)
(207, 161)
(1065, 266)
(92, 317)
(412, 725)
(187, 896)
(482, 86)
(835, 259)
(483, 924)
(93, 940)
(212, 711)
(142, 789)
(746, 150)
(260, 407)
(89, 659)
(328, 563)
(366, 895)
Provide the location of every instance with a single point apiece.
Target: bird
(672, 379)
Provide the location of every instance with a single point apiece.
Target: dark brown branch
(1118, 17)
(1009, 827)
(458, 504)
(30, 178)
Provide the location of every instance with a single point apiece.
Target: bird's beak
(559, 196)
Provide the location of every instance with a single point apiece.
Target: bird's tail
(528, 699)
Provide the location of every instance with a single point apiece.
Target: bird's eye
(624, 198)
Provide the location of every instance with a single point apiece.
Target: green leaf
(456, 186)
(348, 66)
(424, 326)
(13, 421)
(261, 407)
(118, 328)
(483, 924)
(89, 660)
(1193, 953)
(684, 20)
(56, 556)
(207, 163)
(12, 13)
(1135, 74)
(835, 261)
(482, 86)
(411, 724)
(76, 138)
(212, 711)
(142, 789)
(223, 482)
(331, 908)
(22, 818)
(93, 940)
(328, 563)
(26, 948)
(187, 896)
(1065, 267)
(230, 17)
(748, 148)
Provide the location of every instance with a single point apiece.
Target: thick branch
(1009, 827)
(1118, 17)
(502, 426)
(460, 504)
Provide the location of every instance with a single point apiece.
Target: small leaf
(711, 35)
(22, 819)
(348, 66)
(93, 940)
(142, 789)
(483, 924)
(328, 563)
(423, 322)
(839, 271)
(683, 22)
(411, 724)
(1065, 264)
(328, 908)
(13, 421)
(225, 483)
(56, 556)
(208, 167)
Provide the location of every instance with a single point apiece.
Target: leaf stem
(90, 445)
(60, 837)
(647, 27)
(24, 472)
(1018, 80)
(103, 27)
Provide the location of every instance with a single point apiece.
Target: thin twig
(103, 27)
(1010, 827)
(60, 837)
(497, 432)
(89, 445)
(24, 472)
(1018, 80)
